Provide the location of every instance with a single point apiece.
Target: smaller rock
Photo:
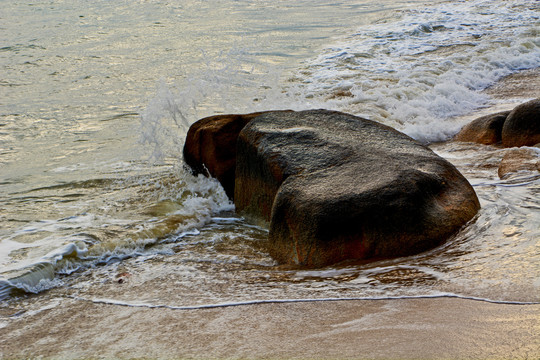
(522, 126)
(523, 159)
(210, 147)
(122, 277)
(484, 130)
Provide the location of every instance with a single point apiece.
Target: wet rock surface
(210, 147)
(335, 187)
(519, 160)
(522, 126)
(485, 130)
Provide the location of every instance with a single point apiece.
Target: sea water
(96, 98)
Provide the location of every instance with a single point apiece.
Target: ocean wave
(177, 211)
(418, 70)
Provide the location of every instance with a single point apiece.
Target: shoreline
(106, 301)
(398, 329)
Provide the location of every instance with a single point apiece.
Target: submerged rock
(332, 186)
(485, 130)
(518, 160)
(522, 126)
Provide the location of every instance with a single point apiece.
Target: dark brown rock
(517, 160)
(484, 130)
(522, 126)
(210, 147)
(333, 187)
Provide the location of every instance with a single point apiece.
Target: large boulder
(333, 186)
(522, 126)
(484, 130)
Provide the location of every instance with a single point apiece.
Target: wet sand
(442, 328)
(423, 328)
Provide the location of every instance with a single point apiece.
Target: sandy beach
(442, 328)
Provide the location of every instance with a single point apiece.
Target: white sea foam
(428, 65)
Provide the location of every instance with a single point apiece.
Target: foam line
(285, 301)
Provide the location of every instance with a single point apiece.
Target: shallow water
(96, 99)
